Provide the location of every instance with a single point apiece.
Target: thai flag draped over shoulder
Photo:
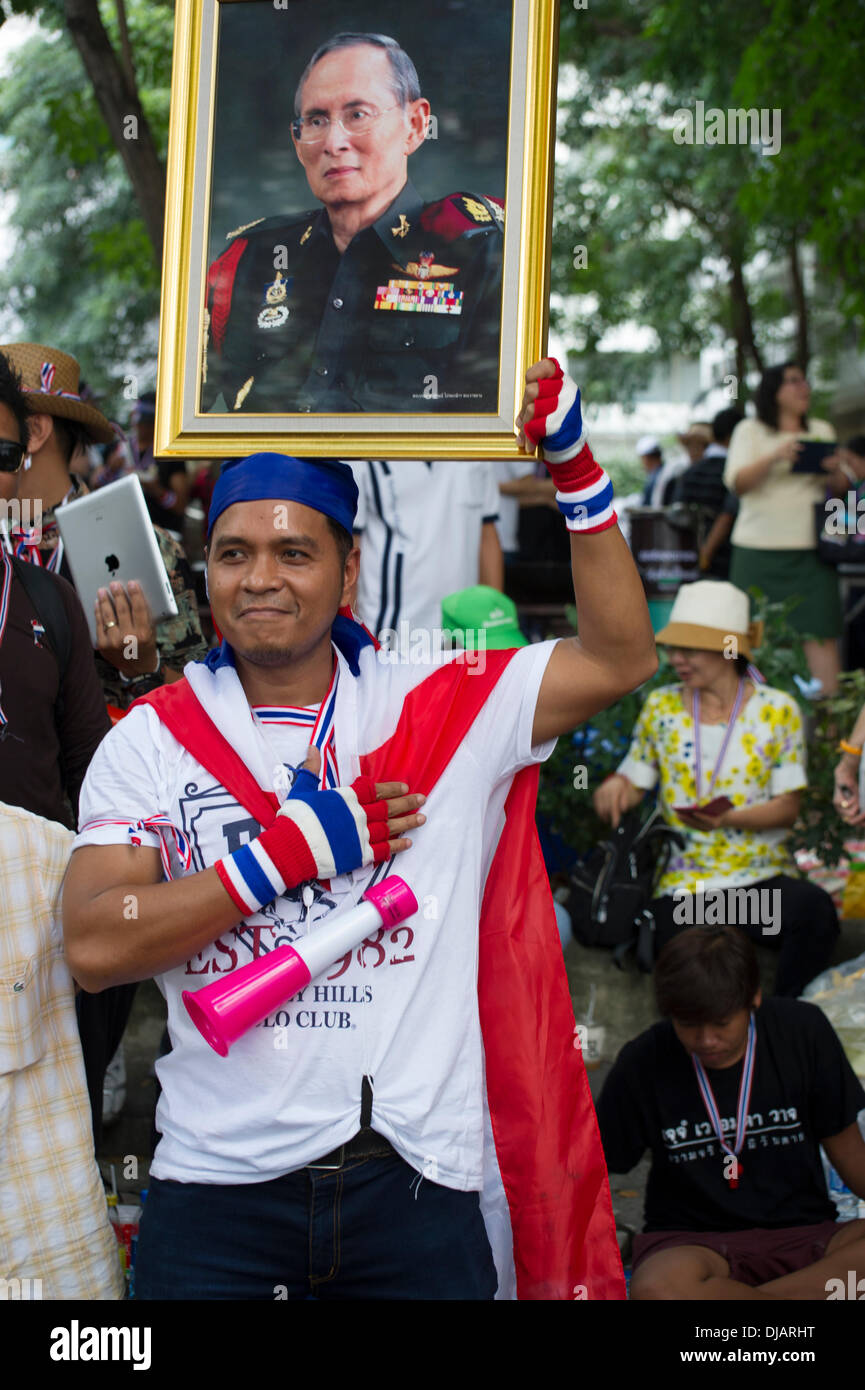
(546, 1160)
(546, 1191)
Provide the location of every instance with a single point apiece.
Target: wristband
(591, 509)
(258, 873)
(145, 675)
(851, 748)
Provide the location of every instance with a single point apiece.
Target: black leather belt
(365, 1144)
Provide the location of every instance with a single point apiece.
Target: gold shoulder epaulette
(244, 228)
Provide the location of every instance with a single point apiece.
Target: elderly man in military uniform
(377, 301)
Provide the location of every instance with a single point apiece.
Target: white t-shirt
(421, 524)
(402, 1009)
(508, 524)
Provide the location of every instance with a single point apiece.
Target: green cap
(481, 609)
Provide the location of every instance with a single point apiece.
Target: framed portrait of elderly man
(358, 226)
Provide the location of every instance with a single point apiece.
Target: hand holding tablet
(812, 454)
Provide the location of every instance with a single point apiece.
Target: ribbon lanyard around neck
(27, 548)
(731, 722)
(744, 1093)
(324, 733)
(27, 540)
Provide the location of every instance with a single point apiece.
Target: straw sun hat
(706, 614)
(50, 379)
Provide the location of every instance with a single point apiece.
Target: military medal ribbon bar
(420, 297)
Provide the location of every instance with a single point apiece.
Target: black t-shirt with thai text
(804, 1091)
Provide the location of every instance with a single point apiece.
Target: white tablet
(108, 536)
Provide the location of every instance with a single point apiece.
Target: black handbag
(612, 887)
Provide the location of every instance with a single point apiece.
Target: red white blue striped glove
(583, 490)
(316, 835)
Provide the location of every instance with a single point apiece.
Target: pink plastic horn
(222, 1012)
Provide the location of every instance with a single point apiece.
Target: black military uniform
(407, 319)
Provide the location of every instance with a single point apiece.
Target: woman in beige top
(774, 539)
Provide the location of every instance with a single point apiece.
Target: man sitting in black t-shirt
(734, 1096)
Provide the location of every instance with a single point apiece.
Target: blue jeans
(371, 1229)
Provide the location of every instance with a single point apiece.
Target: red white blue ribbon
(5, 596)
(47, 373)
(161, 825)
(27, 547)
(744, 1095)
(27, 540)
(158, 825)
(698, 760)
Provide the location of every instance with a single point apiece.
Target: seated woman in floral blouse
(750, 752)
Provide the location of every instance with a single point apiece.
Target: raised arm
(491, 563)
(615, 649)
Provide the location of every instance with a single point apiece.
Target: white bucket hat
(648, 444)
(706, 614)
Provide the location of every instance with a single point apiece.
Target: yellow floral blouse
(765, 757)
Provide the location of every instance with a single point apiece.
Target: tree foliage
(810, 54)
(699, 243)
(680, 236)
(82, 274)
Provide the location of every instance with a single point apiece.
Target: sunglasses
(11, 455)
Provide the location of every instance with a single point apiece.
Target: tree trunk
(743, 323)
(741, 372)
(801, 306)
(125, 45)
(118, 101)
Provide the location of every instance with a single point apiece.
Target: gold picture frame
(206, 47)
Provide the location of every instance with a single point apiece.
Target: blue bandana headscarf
(326, 485)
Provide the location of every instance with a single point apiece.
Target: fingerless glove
(316, 835)
(584, 492)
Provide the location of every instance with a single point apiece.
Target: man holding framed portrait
(431, 1136)
(377, 301)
